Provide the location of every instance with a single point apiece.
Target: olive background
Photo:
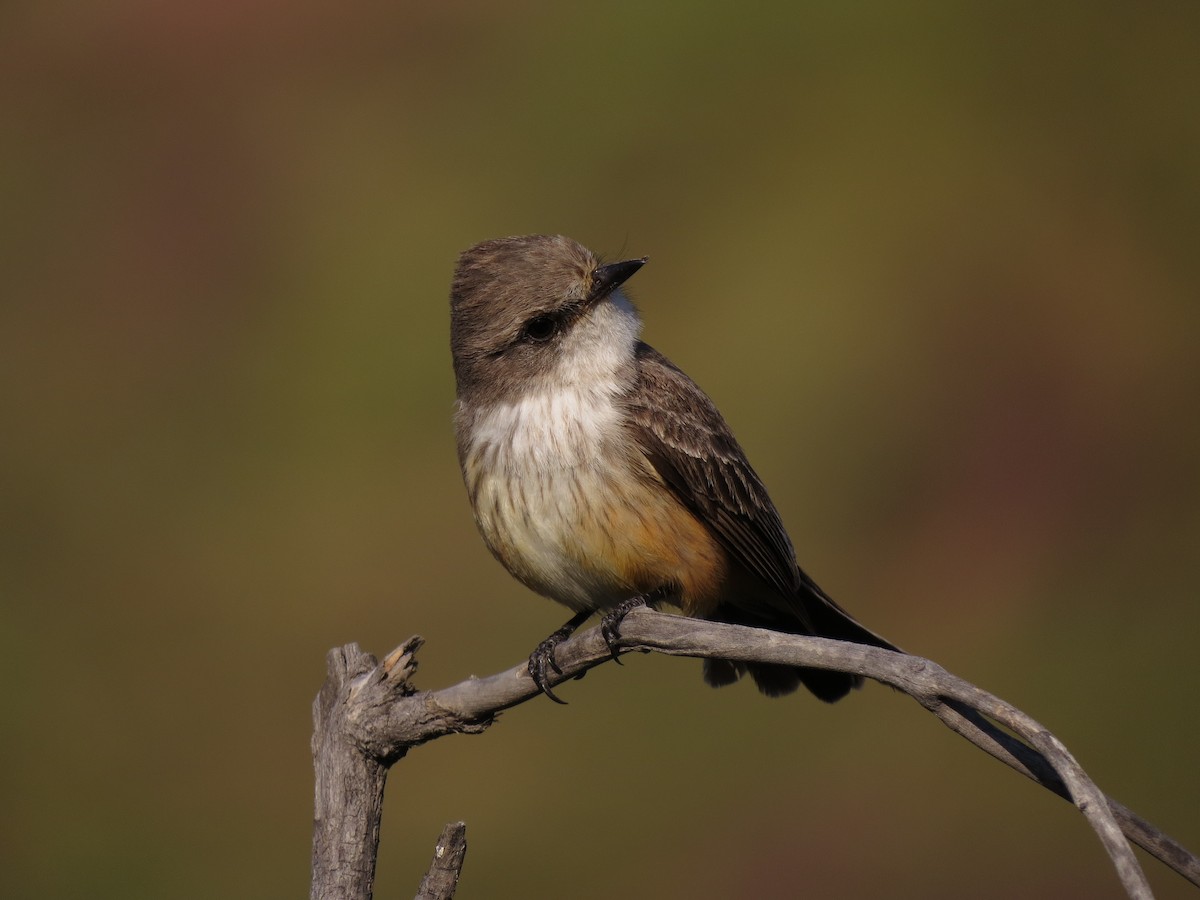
(937, 264)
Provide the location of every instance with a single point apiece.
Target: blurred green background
(937, 264)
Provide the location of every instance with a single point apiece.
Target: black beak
(608, 278)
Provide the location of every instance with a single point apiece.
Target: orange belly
(593, 533)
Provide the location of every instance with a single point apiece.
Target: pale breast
(572, 509)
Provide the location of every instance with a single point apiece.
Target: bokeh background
(938, 264)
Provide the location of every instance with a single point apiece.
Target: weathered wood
(374, 712)
(349, 780)
(441, 881)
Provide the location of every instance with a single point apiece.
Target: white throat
(532, 464)
(567, 414)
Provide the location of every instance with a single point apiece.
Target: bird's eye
(540, 328)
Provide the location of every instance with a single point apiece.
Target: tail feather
(774, 680)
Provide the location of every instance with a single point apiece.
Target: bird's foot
(542, 657)
(610, 624)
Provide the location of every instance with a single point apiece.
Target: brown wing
(694, 452)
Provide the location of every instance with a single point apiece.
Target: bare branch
(383, 717)
(441, 881)
(350, 781)
(1006, 748)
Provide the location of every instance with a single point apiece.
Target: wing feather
(682, 433)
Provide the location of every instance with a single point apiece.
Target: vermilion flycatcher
(602, 477)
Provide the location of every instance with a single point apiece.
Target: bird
(602, 477)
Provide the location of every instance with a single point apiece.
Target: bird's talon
(543, 656)
(538, 660)
(610, 625)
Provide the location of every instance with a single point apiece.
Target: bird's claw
(542, 658)
(610, 624)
